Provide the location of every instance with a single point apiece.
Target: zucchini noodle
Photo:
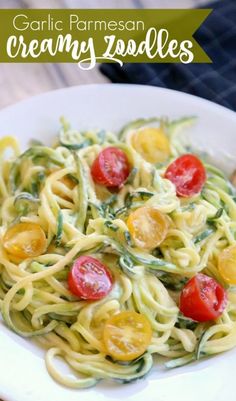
(87, 219)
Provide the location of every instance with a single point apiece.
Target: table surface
(19, 81)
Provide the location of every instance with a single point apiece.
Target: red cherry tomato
(110, 168)
(188, 174)
(89, 279)
(202, 298)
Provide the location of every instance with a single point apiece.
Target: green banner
(92, 36)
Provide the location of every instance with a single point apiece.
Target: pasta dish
(116, 248)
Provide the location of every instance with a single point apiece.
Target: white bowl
(23, 375)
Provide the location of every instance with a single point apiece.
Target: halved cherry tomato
(227, 264)
(202, 298)
(89, 279)
(148, 227)
(188, 174)
(127, 335)
(25, 240)
(152, 144)
(110, 168)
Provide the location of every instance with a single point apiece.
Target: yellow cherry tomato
(152, 144)
(25, 240)
(227, 264)
(148, 227)
(127, 335)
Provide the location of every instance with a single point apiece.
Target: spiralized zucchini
(88, 219)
